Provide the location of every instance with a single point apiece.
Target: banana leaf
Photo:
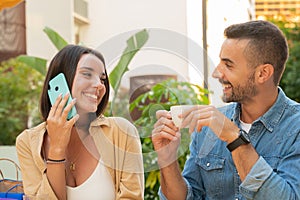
(55, 38)
(134, 44)
(38, 64)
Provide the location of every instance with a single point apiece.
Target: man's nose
(217, 73)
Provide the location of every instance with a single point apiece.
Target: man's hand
(165, 138)
(210, 116)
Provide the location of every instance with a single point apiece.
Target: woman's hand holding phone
(58, 127)
(59, 86)
(61, 117)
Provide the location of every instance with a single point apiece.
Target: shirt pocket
(212, 169)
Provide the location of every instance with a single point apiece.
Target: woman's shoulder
(111, 121)
(120, 120)
(30, 133)
(122, 124)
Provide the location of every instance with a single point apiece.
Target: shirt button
(207, 164)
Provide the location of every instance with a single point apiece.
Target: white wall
(110, 20)
(112, 17)
(113, 21)
(55, 14)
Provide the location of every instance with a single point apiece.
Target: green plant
(21, 81)
(290, 80)
(40, 64)
(162, 96)
(20, 88)
(134, 44)
(21, 84)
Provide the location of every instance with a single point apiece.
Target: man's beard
(240, 92)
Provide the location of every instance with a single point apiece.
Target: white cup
(177, 110)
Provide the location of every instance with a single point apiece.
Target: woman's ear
(264, 73)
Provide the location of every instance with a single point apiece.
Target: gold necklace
(72, 166)
(73, 163)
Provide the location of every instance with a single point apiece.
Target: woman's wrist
(54, 161)
(56, 153)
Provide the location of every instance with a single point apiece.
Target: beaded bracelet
(52, 161)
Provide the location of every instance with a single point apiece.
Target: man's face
(237, 79)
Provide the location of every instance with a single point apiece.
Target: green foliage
(38, 64)
(20, 88)
(21, 85)
(162, 96)
(134, 44)
(55, 38)
(291, 80)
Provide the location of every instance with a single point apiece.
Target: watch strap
(238, 142)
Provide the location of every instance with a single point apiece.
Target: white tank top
(98, 186)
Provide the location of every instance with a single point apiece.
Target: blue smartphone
(58, 85)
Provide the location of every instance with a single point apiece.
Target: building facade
(289, 9)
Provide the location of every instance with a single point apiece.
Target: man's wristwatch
(242, 139)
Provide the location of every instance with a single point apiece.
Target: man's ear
(264, 72)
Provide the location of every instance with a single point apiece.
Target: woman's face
(88, 85)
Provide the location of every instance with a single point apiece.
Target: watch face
(244, 135)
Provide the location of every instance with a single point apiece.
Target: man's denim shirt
(211, 174)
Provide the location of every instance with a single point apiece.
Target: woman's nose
(98, 83)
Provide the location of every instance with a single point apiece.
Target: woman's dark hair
(267, 44)
(66, 61)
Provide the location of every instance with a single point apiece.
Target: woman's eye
(87, 74)
(103, 80)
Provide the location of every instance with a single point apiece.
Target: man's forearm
(244, 158)
(172, 183)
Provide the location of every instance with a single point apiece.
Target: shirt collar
(271, 118)
(101, 121)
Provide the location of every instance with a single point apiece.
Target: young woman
(88, 156)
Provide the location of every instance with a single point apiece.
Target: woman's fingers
(68, 108)
(61, 106)
(59, 112)
(54, 106)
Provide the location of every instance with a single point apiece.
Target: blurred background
(182, 45)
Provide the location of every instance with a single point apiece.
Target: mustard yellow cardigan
(119, 146)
